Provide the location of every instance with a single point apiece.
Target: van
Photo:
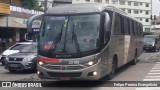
(151, 43)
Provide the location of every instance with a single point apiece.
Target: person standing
(3, 44)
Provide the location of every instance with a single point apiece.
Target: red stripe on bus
(54, 60)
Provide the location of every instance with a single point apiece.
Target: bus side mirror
(30, 21)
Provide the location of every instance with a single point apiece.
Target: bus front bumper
(89, 73)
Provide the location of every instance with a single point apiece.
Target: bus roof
(86, 8)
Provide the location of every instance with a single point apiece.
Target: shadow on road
(21, 72)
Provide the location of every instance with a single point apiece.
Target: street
(147, 69)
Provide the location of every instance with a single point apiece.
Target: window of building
(136, 4)
(136, 12)
(129, 11)
(141, 11)
(123, 9)
(107, 1)
(140, 19)
(141, 4)
(147, 5)
(147, 29)
(122, 2)
(147, 12)
(129, 3)
(98, 1)
(114, 1)
(147, 20)
(87, 0)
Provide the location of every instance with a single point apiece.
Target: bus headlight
(92, 62)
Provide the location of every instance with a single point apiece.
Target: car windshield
(70, 34)
(29, 49)
(18, 46)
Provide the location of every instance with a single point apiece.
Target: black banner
(22, 84)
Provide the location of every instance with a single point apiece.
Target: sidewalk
(7, 46)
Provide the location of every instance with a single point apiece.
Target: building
(155, 24)
(13, 20)
(141, 9)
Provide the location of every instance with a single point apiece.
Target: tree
(31, 4)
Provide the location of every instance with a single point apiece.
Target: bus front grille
(64, 67)
(58, 74)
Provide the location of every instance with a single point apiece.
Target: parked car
(13, 49)
(24, 60)
(151, 43)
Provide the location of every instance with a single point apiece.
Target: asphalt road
(147, 69)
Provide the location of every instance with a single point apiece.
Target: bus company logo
(6, 84)
(63, 67)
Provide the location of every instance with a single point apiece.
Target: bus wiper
(74, 36)
(57, 39)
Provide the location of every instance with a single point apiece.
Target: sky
(156, 7)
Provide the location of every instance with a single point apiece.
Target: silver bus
(86, 41)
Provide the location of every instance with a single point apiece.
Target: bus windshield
(70, 34)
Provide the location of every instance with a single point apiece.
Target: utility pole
(45, 5)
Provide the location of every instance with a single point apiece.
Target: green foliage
(31, 4)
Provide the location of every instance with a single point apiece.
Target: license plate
(13, 65)
(65, 78)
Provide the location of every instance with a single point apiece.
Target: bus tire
(112, 73)
(134, 61)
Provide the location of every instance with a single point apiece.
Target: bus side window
(135, 29)
(117, 26)
(126, 26)
(131, 27)
(122, 25)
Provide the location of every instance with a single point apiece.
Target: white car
(13, 49)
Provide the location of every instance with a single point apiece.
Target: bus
(86, 41)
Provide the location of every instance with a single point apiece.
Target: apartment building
(141, 9)
(156, 24)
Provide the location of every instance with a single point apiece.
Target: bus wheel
(134, 61)
(112, 73)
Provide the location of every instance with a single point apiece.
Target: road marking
(148, 88)
(154, 70)
(151, 56)
(157, 64)
(152, 77)
(153, 73)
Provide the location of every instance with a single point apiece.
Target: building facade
(156, 24)
(13, 20)
(141, 9)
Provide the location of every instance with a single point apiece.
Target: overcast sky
(156, 7)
